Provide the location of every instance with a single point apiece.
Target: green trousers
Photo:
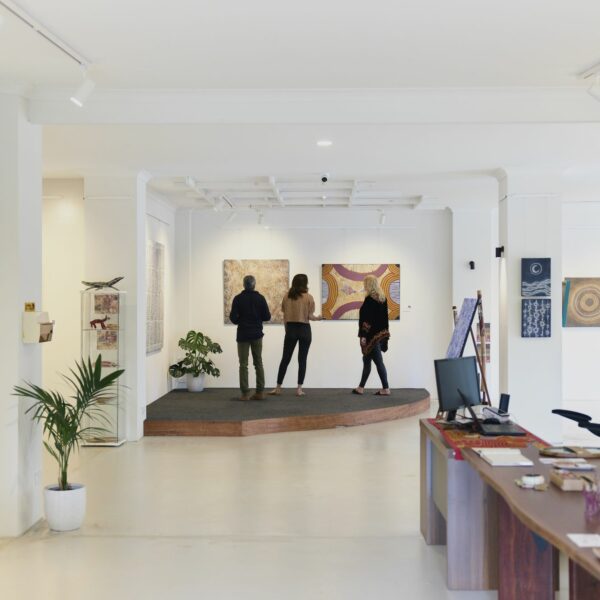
(243, 351)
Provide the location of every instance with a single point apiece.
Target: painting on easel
(462, 328)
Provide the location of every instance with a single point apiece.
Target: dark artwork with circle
(581, 302)
(536, 315)
(535, 277)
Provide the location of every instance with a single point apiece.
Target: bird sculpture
(98, 285)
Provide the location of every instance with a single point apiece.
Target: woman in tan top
(298, 310)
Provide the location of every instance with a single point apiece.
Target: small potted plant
(195, 365)
(63, 422)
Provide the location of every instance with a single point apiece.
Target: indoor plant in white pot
(195, 365)
(63, 423)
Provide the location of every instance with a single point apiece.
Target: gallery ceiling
(235, 94)
(253, 164)
(271, 192)
(314, 44)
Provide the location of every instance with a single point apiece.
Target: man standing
(248, 311)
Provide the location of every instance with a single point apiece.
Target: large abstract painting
(155, 296)
(272, 281)
(342, 289)
(536, 317)
(462, 328)
(581, 302)
(535, 277)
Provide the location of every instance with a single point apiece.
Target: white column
(530, 369)
(474, 236)
(21, 278)
(115, 245)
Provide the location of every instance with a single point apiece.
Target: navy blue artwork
(462, 328)
(535, 277)
(536, 318)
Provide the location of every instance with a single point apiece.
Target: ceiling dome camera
(325, 178)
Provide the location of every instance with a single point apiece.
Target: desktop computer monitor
(457, 383)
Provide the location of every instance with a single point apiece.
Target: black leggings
(294, 333)
(375, 356)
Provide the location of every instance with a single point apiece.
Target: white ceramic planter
(65, 509)
(195, 384)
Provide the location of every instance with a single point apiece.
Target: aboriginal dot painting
(342, 289)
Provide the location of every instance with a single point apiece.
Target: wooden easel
(481, 353)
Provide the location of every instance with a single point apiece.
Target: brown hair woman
(298, 310)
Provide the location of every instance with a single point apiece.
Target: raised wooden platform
(218, 412)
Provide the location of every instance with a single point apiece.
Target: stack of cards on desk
(585, 540)
(504, 457)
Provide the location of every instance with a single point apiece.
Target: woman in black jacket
(373, 331)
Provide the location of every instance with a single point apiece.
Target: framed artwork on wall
(272, 281)
(535, 278)
(155, 296)
(342, 289)
(536, 317)
(581, 302)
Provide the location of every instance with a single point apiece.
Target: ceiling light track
(44, 32)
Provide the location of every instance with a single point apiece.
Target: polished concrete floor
(329, 515)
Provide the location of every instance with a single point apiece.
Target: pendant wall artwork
(536, 315)
(536, 305)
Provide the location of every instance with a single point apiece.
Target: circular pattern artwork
(586, 304)
(342, 289)
(581, 302)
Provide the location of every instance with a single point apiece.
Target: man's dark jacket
(248, 311)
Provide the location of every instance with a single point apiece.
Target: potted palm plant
(63, 423)
(195, 365)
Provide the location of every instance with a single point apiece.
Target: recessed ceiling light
(324, 143)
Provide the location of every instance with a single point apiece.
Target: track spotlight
(83, 92)
(472, 265)
(382, 218)
(219, 205)
(499, 251)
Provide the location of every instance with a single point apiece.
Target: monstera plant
(196, 363)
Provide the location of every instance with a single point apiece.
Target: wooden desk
(486, 520)
(531, 527)
(459, 510)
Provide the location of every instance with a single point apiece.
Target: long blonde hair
(373, 289)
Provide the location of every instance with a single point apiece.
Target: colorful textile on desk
(458, 440)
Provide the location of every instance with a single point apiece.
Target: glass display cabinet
(103, 334)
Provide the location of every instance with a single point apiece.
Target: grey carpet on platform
(223, 404)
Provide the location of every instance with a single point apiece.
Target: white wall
(115, 245)
(474, 237)
(581, 345)
(419, 240)
(21, 277)
(530, 369)
(62, 265)
(160, 227)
